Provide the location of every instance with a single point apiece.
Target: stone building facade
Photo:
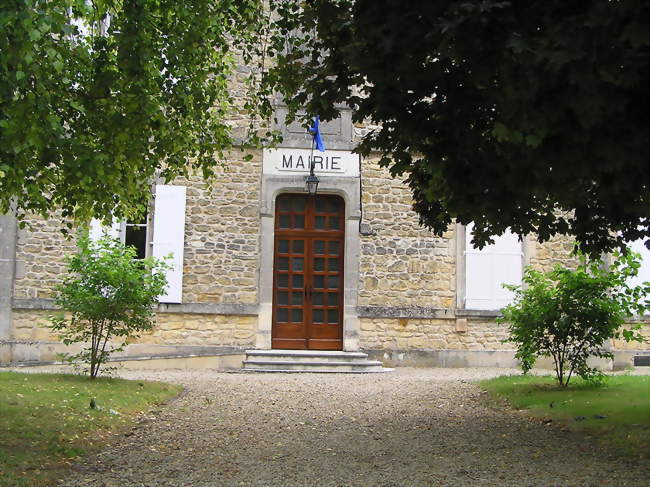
(401, 294)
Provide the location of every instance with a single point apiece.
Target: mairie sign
(297, 161)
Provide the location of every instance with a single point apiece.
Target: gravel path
(411, 427)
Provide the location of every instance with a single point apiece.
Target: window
(165, 236)
(644, 270)
(488, 268)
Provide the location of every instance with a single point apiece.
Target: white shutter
(96, 230)
(487, 269)
(169, 236)
(644, 270)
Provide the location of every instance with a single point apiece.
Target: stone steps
(310, 361)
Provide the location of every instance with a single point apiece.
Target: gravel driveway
(411, 427)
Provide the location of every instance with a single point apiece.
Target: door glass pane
(318, 316)
(282, 315)
(333, 265)
(319, 223)
(296, 298)
(283, 297)
(333, 299)
(333, 315)
(296, 315)
(284, 221)
(334, 247)
(283, 280)
(298, 221)
(319, 264)
(332, 282)
(299, 203)
(297, 281)
(334, 222)
(319, 282)
(283, 247)
(283, 263)
(321, 205)
(317, 298)
(319, 246)
(284, 202)
(297, 263)
(335, 205)
(298, 246)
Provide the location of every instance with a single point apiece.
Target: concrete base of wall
(485, 358)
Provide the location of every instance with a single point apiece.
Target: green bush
(569, 314)
(109, 297)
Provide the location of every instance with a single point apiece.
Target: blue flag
(315, 131)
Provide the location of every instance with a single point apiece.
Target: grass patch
(617, 413)
(46, 420)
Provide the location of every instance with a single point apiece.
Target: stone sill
(478, 313)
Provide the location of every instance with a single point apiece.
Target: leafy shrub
(569, 314)
(108, 294)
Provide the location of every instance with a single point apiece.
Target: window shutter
(487, 269)
(169, 236)
(644, 270)
(96, 230)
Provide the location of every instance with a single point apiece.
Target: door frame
(348, 189)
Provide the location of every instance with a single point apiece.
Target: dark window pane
(319, 223)
(334, 247)
(333, 315)
(298, 221)
(333, 265)
(319, 282)
(137, 237)
(284, 202)
(283, 280)
(298, 246)
(283, 297)
(283, 263)
(299, 203)
(318, 316)
(333, 299)
(296, 315)
(297, 281)
(321, 205)
(334, 223)
(282, 315)
(319, 246)
(285, 221)
(296, 298)
(297, 263)
(319, 264)
(332, 282)
(335, 205)
(283, 247)
(317, 298)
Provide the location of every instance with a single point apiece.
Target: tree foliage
(108, 295)
(528, 115)
(569, 314)
(98, 97)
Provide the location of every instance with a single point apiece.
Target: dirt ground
(410, 427)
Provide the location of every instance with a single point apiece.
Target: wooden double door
(308, 272)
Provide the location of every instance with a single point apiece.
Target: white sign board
(297, 161)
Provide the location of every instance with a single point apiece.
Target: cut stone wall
(431, 334)
(401, 263)
(40, 252)
(222, 226)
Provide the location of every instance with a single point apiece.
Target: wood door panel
(308, 272)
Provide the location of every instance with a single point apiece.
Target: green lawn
(46, 420)
(617, 413)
